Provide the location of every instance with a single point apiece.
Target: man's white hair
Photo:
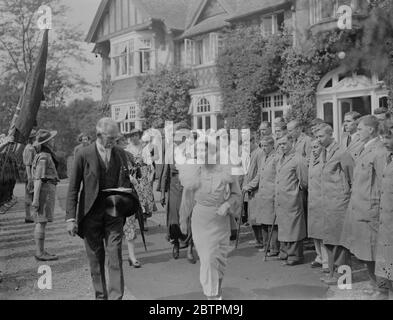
(106, 124)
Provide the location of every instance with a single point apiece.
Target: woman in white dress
(212, 194)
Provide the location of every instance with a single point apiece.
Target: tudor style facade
(134, 37)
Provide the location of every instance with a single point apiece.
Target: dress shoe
(46, 257)
(29, 221)
(293, 263)
(331, 281)
(273, 254)
(316, 264)
(282, 256)
(136, 264)
(379, 295)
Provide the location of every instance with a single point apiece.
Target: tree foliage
(165, 96)
(251, 65)
(20, 40)
(71, 120)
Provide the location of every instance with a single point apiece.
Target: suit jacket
(86, 169)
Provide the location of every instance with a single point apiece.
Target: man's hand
(35, 204)
(30, 185)
(72, 228)
(133, 181)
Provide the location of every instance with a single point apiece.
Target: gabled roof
(172, 13)
(208, 25)
(193, 27)
(97, 18)
(248, 7)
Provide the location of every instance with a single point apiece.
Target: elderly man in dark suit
(99, 166)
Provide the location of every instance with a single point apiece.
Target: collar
(371, 142)
(101, 147)
(330, 146)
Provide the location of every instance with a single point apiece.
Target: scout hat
(44, 136)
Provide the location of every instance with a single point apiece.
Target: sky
(82, 13)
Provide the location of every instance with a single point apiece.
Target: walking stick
(270, 239)
(141, 226)
(240, 220)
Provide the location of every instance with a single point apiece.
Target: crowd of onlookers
(310, 186)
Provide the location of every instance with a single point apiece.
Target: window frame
(136, 49)
(207, 49)
(275, 28)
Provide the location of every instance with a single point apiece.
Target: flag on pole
(32, 95)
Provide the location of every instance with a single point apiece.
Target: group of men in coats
(338, 194)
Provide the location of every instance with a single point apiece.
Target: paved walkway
(161, 277)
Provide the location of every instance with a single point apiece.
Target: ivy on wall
(248, 67)
(165, 96)
(251, 65)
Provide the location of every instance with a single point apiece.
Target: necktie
(349, 140)
(107, 158)
(324, 153)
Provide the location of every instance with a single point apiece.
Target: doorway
(361, 105)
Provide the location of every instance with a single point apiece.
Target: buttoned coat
(361, 223)
(291, 175)
(384, 256)
(264, 183)
(83, 188)
(315, 212)
(336, 179)
(252, 171)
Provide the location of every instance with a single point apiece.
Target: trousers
(104, 233)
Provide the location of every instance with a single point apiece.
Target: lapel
(370, 148)
(332, 151)
(92, 159)
(286, 160)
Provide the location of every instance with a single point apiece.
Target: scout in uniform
(28, 157)
(336, 178)
(315, 214)
(384, 255)
(291, 177)
(361, 223)
(264, 182)
(45, 180)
